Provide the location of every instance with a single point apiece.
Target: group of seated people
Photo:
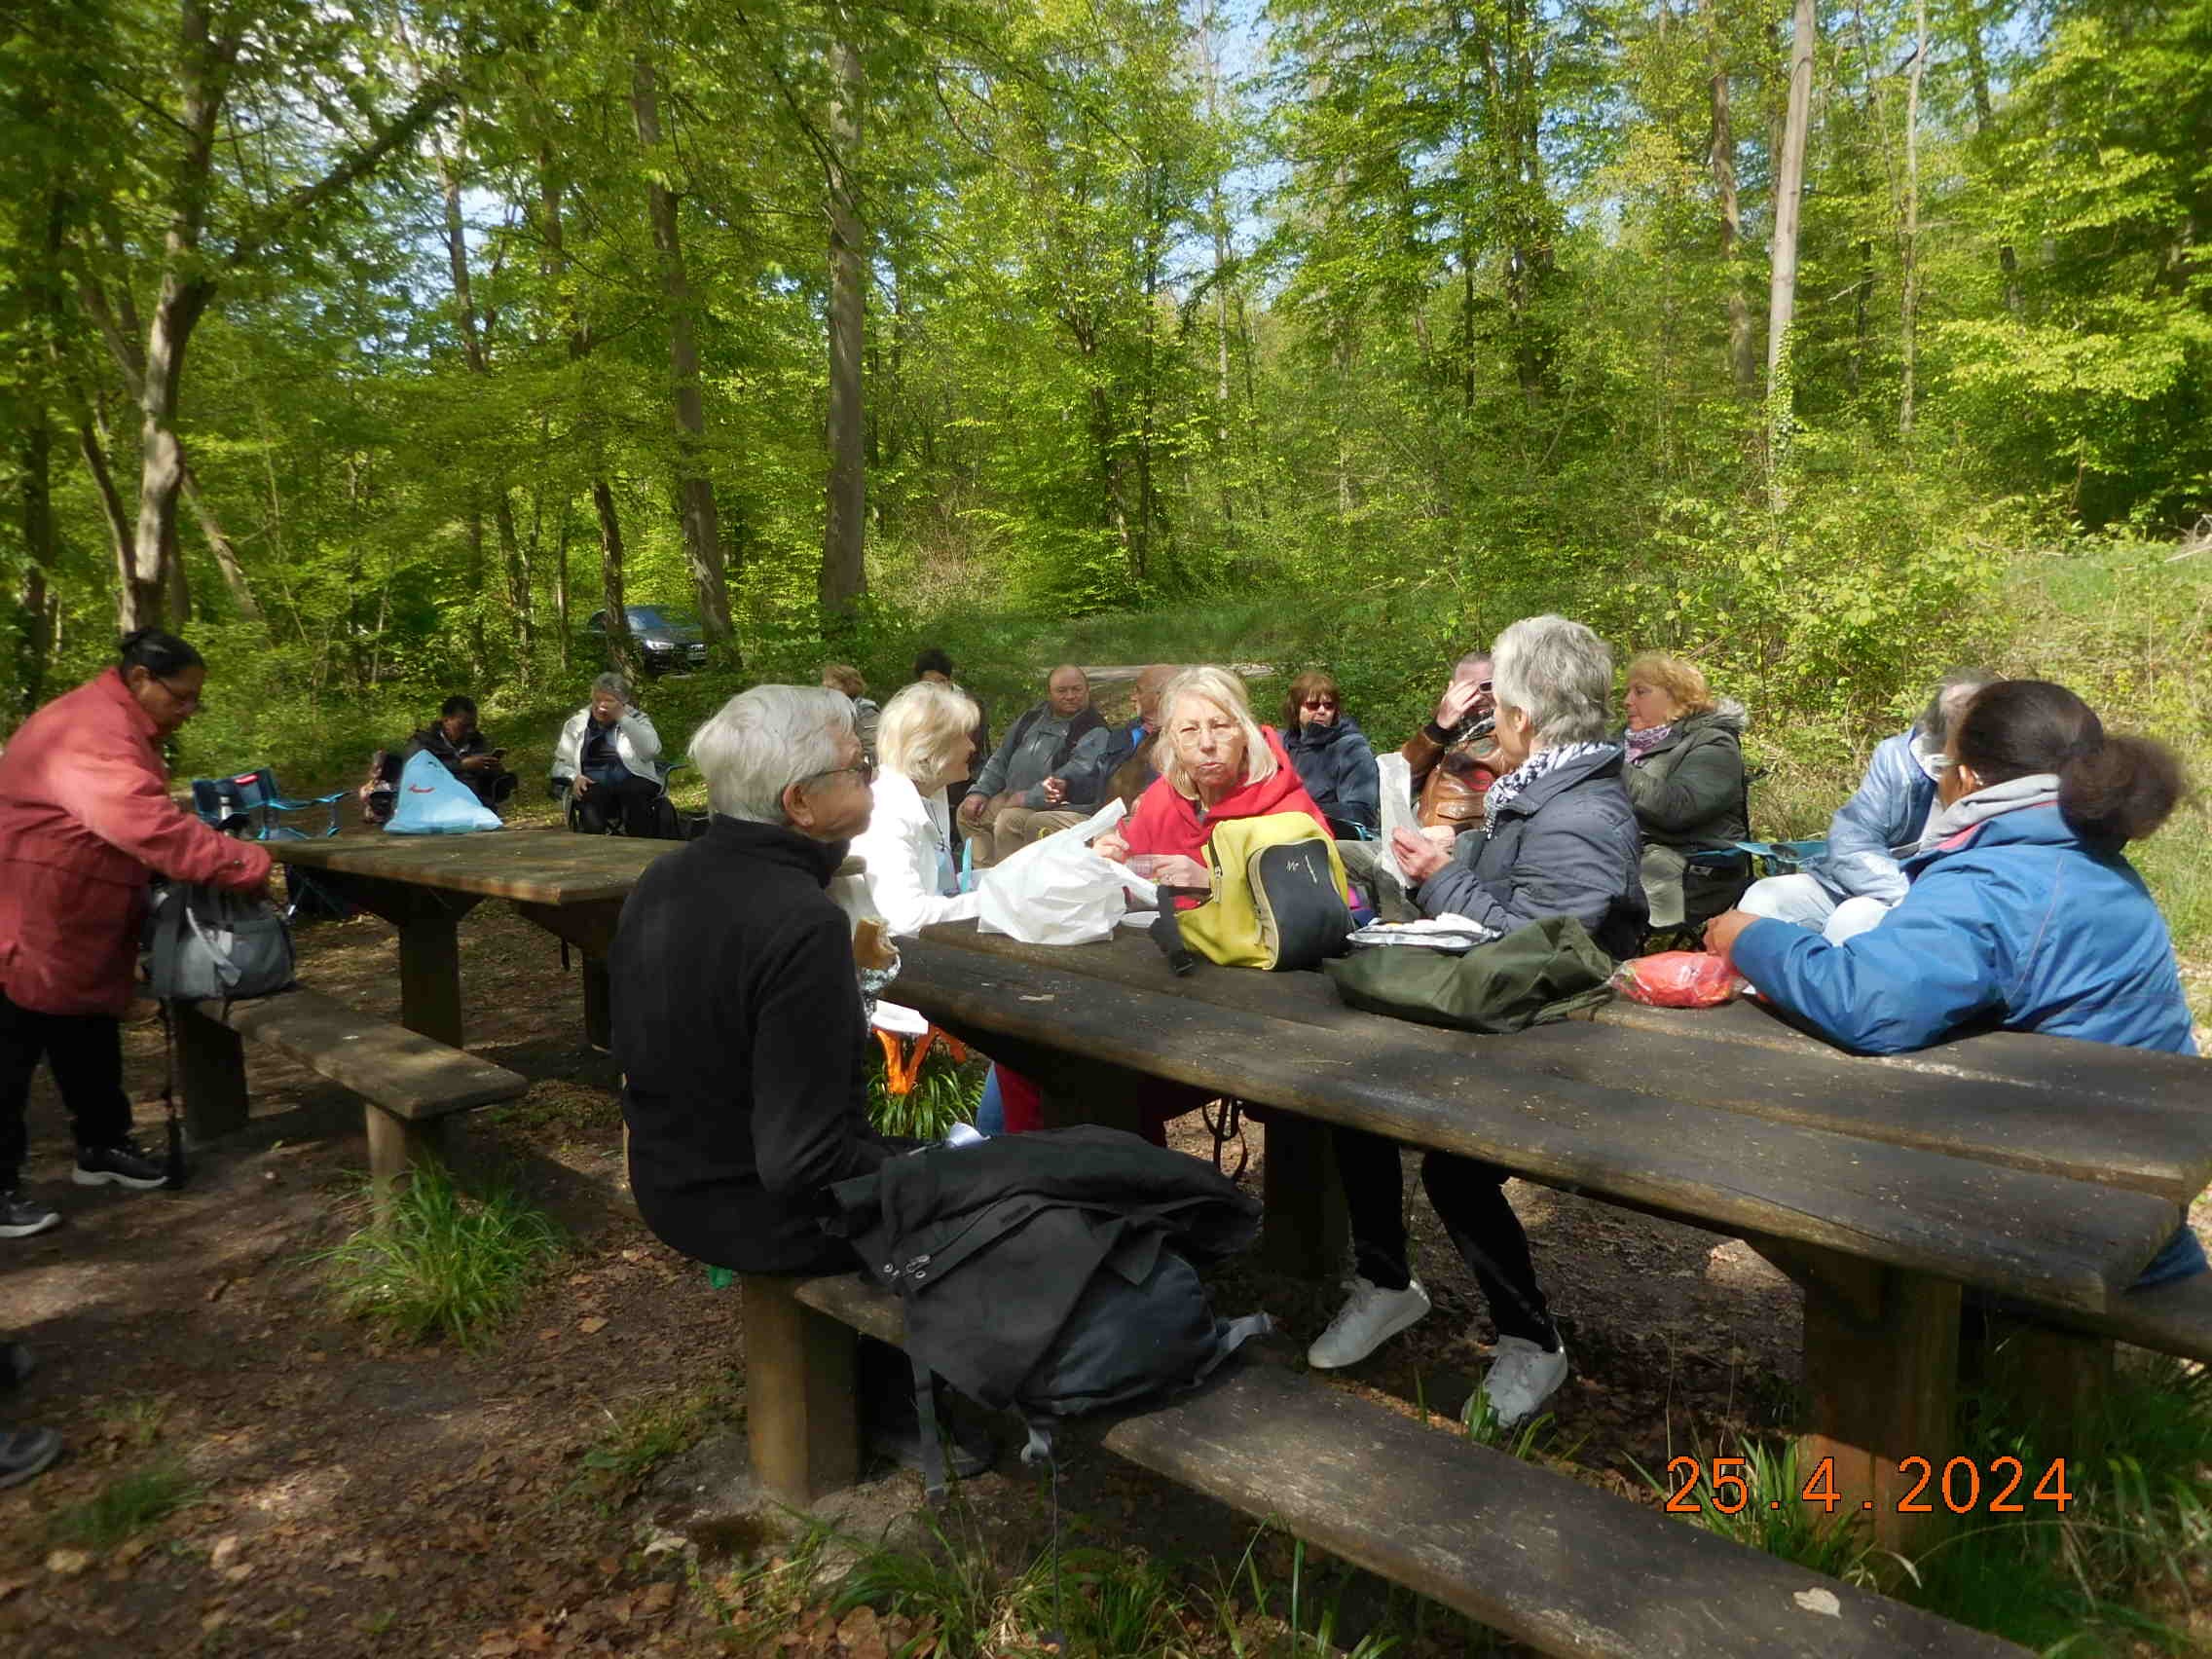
(1978, 879)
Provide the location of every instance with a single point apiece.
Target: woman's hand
(1419, 857)
(1111, 847)
(581, 786)
(1722, 932)
(1173, 869)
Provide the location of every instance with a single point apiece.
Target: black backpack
(1052, 1272)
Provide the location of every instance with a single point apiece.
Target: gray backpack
(212, 944)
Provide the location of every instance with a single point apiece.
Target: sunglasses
(1319, 703)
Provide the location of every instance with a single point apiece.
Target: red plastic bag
(1678, 978)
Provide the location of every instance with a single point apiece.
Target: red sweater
(1165, 822)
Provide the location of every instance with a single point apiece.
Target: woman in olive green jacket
(1685, 775)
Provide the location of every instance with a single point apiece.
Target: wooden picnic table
(570, 885)
(2045, 1171)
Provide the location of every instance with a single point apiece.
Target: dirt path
(354, 1500)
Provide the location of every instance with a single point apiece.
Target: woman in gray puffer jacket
(1685, 775)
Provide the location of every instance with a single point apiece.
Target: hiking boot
(20, 1218)
(125, 1164)
(1370, 1317)
(1521, 1378)
(25, 1453)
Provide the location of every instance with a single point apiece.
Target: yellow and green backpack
(1278, 899)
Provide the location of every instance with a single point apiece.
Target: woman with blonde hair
(1685, 775)
(1216, 762)
(923, 743)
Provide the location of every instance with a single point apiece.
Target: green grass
(945, 1093)
(644, 1434)
(444, 1264)
(1797, 1531)
(127, 1504)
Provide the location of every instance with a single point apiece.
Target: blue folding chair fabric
(1767, 858)
(432, 801)
(251, 801)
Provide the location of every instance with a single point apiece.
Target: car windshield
(661, 616)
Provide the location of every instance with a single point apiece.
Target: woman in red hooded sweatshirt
(85, 820)
(1216, 762)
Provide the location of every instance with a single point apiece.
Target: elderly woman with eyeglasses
(85, 822)
(1331, 756)
(1558, 840)
(607, 755)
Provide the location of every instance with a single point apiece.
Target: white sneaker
(1521, 1378)
(1370, 1317)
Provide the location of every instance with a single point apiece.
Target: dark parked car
(667, 638)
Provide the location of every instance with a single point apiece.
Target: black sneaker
(25, 1453)
(125, 1164)
(20, 1218)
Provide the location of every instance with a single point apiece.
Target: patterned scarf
(1640, 743)
(1502, 793)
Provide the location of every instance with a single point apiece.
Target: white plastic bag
(1058, 891)
(1398, 812)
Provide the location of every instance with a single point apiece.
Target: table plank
(547, 866)
(2046, 1240)
(2150, 1130)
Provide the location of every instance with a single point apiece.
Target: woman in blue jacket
(2023, 910)
(1331, 756)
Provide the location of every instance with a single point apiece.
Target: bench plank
(2170, 1318)
(399, 1071)
(1536, 1555)
(2150, 1130)
(2049, 1241)
(1563, 1566)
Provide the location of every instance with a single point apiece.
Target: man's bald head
(1150, 684)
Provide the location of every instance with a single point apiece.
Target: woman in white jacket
(609, 755)
(922, 744)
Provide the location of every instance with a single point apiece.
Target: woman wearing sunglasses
(1331, 756)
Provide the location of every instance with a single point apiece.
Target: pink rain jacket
(86, 820)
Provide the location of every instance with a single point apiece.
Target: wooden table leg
(2051, 1384)
(598, 1017)
(429, 978)
(801, 1415)
(211, 1072)
(1307, 1230)
(1881, 1370)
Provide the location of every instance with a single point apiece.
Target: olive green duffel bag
(1546, 971)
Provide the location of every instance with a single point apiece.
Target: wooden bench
(1559, 1565)
(411, 1083)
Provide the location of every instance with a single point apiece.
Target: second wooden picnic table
(2036, 1169)
(570, 885)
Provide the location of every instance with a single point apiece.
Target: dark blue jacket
(1566, 845)
(2015, 920)
(1086, 775)
(1336, 765)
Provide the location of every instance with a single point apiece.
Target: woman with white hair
(1560, 840)
(1216, 762)
(607, 758)
(924, 742)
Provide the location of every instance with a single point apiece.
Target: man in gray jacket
(1007, 804)
(1860, 880)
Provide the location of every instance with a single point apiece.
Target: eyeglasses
(866, 769)
(1319, 703)
(182, 699)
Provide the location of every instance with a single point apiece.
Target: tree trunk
(1977, 78)
(844, 568)
(1909, 252)
(560, 582)
(40, 544)
(1218, 217)
(225, 550)
(1781, 298)
(1743, 366)
(694, 489)
(619, 645)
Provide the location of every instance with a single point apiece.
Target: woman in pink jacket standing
(85, 820)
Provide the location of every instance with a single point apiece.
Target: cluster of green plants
(442, 1262)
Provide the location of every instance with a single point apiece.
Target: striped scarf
(1502, 793)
